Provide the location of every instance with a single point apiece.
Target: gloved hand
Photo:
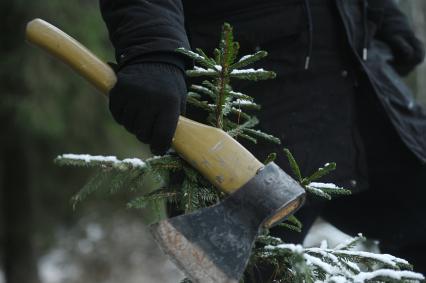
(408, 52)
(147, 100)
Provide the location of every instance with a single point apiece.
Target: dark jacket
(144, 29)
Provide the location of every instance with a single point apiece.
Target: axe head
(214, 244)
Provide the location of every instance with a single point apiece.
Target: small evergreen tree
(227, 109)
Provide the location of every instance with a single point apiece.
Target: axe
(212, 244)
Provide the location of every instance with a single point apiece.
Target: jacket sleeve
(396, 31)
(151, 29)
(394, 21)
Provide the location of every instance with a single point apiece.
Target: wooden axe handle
(220, 158)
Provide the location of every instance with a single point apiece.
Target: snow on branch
(387, 273)
(96, 160)
(340, 264)
(252, 74)
(249, 59)
(198, 72)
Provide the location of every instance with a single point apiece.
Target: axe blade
(213, 244)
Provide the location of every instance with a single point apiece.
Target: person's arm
(396, 31)
(140, 28)
(150, 90)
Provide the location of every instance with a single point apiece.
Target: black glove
(147, 100)
(408, 52)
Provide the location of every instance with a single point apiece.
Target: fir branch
(351, 243)
(193, 95)
(249, 59)
(245, 103)
(388, 275)
(247, 137)
(293, 164)
(155, 196)
(85, 160)
(260, 134)
(329, 188)
(93, 185)
(239, 129)
(333, 265)
(200, 58)
(294, 221)
(203, 90)
(317, 192)
(201, 52)
(240, 95)
(328, 167)
(209, 85)
(252, 74)
(363, 257)
(200, 104)
(241, 114)
(227, 46)
(290, 227)
(200, 72)
(171, 162)
(270, 158)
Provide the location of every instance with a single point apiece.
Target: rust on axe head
(214, 244)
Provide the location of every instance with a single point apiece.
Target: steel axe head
(214, 244)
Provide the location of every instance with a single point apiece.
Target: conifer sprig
(323, 190)
(179, 184)
(294, 263)
(226, 106)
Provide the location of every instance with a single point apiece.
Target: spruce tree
(228, 109)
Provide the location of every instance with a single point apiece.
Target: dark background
(47, 110)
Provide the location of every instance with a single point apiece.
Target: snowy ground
(119, 248)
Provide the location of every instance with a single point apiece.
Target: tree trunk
(18, 256)
(19, 262)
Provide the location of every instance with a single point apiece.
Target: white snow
(49, 271)
(311, 260)
(354, 266)
(134, 162)
(244, 102)
(323, 185)
(397, 275)
(335, 279)
(196, 56)
(218, 67)
(320, 256)
(245, 57)
(238, 94)
(202, 70)
(291, 247)
(200, 88)
(318, 191)
(247, 71)
(89, 158)
(385, 258)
